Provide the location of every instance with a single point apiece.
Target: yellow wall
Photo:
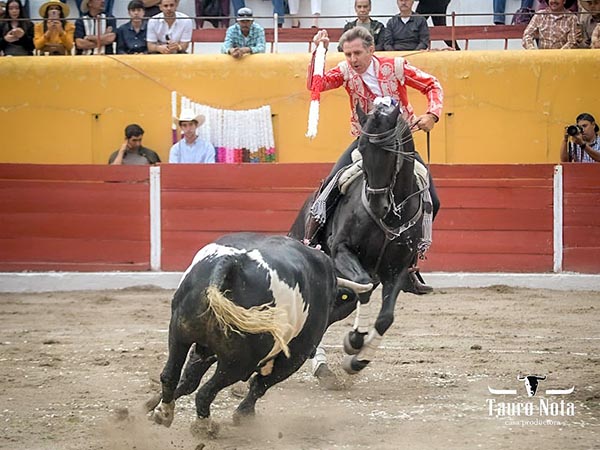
(500, 106)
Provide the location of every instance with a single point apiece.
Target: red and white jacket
(394, 74)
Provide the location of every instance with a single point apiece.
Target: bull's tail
(232, 317)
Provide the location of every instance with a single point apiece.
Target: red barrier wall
(74, 218)
(87, 218)
(581, 212)
(493, 218)
(200, 203)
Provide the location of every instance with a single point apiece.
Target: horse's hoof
(152, 402)
(327, 379)
(202, 428)
(164, 414)
(352, 365)
(353, 342)
(240, 417)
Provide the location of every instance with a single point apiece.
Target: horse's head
(382, 153)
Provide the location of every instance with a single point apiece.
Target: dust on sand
(76, 368)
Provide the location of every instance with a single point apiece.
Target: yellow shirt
(40, 40)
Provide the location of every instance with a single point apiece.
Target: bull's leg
(259, 384)
(356, 363)
(163, 414)
(225, 375)
(197, 365)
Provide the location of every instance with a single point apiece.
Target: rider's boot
(418, 284)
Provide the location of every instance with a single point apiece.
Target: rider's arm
(427, 85)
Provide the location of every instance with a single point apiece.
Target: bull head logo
(531, 383)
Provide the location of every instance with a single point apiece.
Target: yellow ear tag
(345, 297)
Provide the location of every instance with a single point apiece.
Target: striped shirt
(235, 39)
(578, 154)
(553, 31)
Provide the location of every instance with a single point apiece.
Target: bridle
(392, 141)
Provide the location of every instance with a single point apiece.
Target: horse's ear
(362, 117)
(396, 112)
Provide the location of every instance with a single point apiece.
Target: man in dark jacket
(405, 31)
(363, 19)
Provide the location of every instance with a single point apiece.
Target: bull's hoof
(152, 402)
(205, 428)
(352, 365)
(164, 414)
(327, 379)
(353, 342)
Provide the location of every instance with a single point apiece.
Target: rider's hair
(357, 33)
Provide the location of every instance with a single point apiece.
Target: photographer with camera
(581, 142)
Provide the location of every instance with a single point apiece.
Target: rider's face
(357, 56)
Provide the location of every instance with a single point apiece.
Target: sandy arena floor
(76, 367)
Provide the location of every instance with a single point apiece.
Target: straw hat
(63, 6)
(188, 115)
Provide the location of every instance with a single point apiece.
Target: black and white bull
(254, 304)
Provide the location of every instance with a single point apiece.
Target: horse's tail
(259, 319)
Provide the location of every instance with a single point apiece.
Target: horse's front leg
(356, 363)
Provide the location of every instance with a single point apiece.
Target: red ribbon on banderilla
(315, 91)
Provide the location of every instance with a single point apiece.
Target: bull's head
(531, 383)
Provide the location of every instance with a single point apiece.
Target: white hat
(244, 14)
(188, 115)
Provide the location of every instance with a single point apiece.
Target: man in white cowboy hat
(191, 149)
(95, 32)
(169, 31)
(244, 37)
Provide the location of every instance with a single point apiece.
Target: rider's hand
(321, 37)
(426, 122)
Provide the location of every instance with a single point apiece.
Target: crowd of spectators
(157, 26)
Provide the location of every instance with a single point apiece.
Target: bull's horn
(356, 287)
(520, 377)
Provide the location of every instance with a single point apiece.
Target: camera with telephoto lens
(574, 130)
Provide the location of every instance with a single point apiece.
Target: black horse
(374, 233)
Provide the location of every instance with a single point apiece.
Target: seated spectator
(435, 8)
(95, 32)
(315, 10)
(212, 8)
(581, 144)
(589, 21)
(191, 149)
(132, 152)
(244, 37)
(16, 34)
(170, 31)
(2, 9)
(363, 19)
(278, 8)
(405, 31)
(131, 36)
(54, 35)
(552, 28)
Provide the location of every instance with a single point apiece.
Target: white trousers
(315, 6)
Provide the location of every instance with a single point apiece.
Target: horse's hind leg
(356, 363)
(355, 339)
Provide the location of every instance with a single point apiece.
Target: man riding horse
(367, 77)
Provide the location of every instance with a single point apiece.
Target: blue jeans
(237, 4)
(499, 8)
(279, 8)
